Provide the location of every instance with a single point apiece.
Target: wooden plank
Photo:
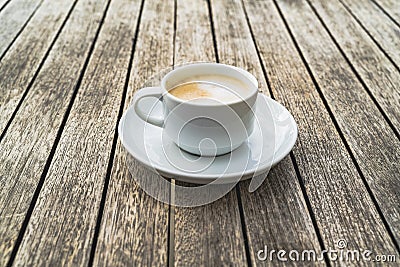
(134, 228)
(383, 30)
(18, 68)
(277, 216)
(208, 235)
(73, 187)
(340, 203)
(392, 7)
(232, 44)
(378, 73)
(29, 140)
(193, 38)
(372, 142)
(13, 18)
(273, 216)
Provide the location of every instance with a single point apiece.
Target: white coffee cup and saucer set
(207, 122)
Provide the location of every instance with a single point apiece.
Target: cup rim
(240, 71)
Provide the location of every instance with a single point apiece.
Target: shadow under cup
(213, 127)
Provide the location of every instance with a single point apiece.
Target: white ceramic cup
(206, 129)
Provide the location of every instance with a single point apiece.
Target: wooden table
(69, 69)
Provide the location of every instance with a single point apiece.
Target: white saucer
(272, 139)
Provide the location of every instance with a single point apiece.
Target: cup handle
(143, 93)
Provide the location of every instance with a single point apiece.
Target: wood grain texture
(193, 37)
(279, 202)
(392, 7)
(134, 227)
(27, 145)
(209, 235)
(12, 19)
(371, 140)
(378, 73)
(277, 216)
(74, 183)
(339, 200)
(233, 44)
(22, 61)
(384, 31)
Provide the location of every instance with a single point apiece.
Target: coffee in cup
(218, 87)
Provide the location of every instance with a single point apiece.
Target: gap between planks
(4, 52)
(115, 139)
(53, 149)
(292, 158)
(338, 129)
(32, 81)
(379, 5)
(374, 39)
(385, 116)
(3, 4)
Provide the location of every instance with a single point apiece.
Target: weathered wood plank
(73, 187)
(392, 7)
(274, 216)
(13, 18)
(193, 37)
(208, 235)
(378, 73)
(337, 195)
(29, 139)
(379, 26)
(134, 228)
(18, 67)
(232, 45)
(277, 217)
(369, 137)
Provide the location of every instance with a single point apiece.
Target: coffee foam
(216, 87)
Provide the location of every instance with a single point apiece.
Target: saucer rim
(205, 178)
